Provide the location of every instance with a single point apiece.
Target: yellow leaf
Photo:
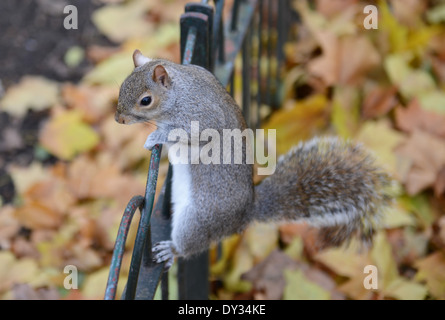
(24, 177)
(404, 289)
(345, 111)
(298, 287)
(242, 262)
(261, 239)
(96, 282)
(116, 68)
(32, 92)
(13, 270)
(383, 258)
(397, 33)
(66, 135)
(123, 21)
(347, 262)
(305, 119)
(381, 138)
(432, 270)
(396, 217)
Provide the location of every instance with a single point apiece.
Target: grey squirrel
(327, 182)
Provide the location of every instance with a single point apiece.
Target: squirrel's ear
(139, 59)
(160, 76)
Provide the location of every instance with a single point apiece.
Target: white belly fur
(181, 194)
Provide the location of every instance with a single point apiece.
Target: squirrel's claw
(164, 252)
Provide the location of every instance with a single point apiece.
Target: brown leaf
(439, 185)
(344, 60)
(330, 8)
(426, 154)
(378, 102)
(268, 278)
(35, 215)
(413, 117)
(93, 102)
(26, 292)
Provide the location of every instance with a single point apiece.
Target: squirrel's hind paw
(164, 252)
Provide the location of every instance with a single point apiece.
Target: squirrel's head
(143, 91)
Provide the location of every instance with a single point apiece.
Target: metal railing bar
(246, 71)
(233, 40)
(218, 32)
(152, 273)
(143, 232)
(119, 246)
(269, 53)
(259, 97)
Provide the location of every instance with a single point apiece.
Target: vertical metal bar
(235, 11)
(193, 273)
(164, 286)
(269, 53)
(259, 69)
(144, 224)
(281, 33)
(218, 31)
(151, 273)
(246, 52)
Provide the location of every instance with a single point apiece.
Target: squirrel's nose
(119, 118)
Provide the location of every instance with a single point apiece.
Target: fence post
(196, 44)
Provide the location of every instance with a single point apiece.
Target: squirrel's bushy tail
(329, 183)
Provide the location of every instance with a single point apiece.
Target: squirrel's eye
(145, 101)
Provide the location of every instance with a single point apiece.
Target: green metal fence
(255, 31)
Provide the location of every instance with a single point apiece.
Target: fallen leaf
(32, 92)
(9, 226)
(267, 276)
(96, 282)
(383, 259)
(298, 287)
(94, 102)
(24, 177)
(74, 56)
(413, 117)
(65, 135)
(13, 270)
(344, 60)
(432, 270)
(426, 154)
(331, 8)
(261, 239)
(305, 119)
(381, 138)
(345, 111)
(122, 21)
(348, 262)
(379, 102)
(26, 292)
(403, 289)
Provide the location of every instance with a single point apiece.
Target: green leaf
(74, 56)
(298, 287)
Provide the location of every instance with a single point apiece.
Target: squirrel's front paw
(164, 251)
(153, 139)
(150, 143)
